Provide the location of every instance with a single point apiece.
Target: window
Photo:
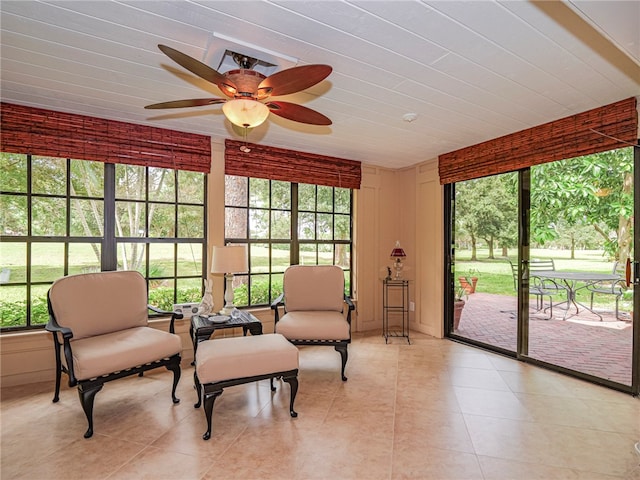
(284, 223)
(64, 216)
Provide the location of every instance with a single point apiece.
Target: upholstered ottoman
(232, 361)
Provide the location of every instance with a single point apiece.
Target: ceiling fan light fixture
(245, 112)
(247, 88)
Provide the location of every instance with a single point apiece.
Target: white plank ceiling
(471, 71)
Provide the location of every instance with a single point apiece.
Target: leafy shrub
(189, 295)
(162, 297)
(14, 314)
(259, 292)
(241, 295)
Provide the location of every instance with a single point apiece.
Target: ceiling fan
(250, 92)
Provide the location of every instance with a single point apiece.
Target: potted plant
(458, 304)
(469, 280)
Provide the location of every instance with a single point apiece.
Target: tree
(132, 219)
(594, 190)
(486, 208)
(87, 218)
(466, 220)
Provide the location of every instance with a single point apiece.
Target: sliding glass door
(485, 301)
(582, 242)
(541, 266)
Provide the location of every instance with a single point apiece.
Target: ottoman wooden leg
(209, 398)
(293, 383)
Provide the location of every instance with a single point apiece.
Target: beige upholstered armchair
(100, 333)
(314, 299)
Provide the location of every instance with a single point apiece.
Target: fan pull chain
(244, 148)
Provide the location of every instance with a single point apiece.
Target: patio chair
(547, 284)
(314, 300)
(615, 288)
(541, 287)
(99, 323)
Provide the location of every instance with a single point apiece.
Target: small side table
(202, 328)
(395, 305)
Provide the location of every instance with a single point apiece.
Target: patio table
(571, 279)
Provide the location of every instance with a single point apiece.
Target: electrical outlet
(412, 307)
(186, 309)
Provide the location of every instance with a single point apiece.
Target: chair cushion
(97, 303)
(241, 357)
(314, 287)
(314, 326)
(112, 352)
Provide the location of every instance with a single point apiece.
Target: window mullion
(29, 236)
(295, 242)
(176, 234)
(109, 246)
(65, 267)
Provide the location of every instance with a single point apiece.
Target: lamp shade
(245, 112)
(229, 259)
(398, 252)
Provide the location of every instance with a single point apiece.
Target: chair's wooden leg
(209, 399)
(293, 382)
(342, 349)
(87, 397)
(56, 395)
(175, 368)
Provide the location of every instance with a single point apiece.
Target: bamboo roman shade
(290, 166)
(598, 130)
(49, 133)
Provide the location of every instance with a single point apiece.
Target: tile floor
(435, 409)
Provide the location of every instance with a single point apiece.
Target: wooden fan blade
(194, 102)
(294, 79)
(195, 66)
(298, 113)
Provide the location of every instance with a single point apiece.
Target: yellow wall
(404, 205)
(428, 233)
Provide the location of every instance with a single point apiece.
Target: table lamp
(229, 259)
(398, 255)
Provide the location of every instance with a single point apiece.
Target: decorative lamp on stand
(398, 255)
(229, 259)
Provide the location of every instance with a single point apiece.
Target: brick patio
(581, 342)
